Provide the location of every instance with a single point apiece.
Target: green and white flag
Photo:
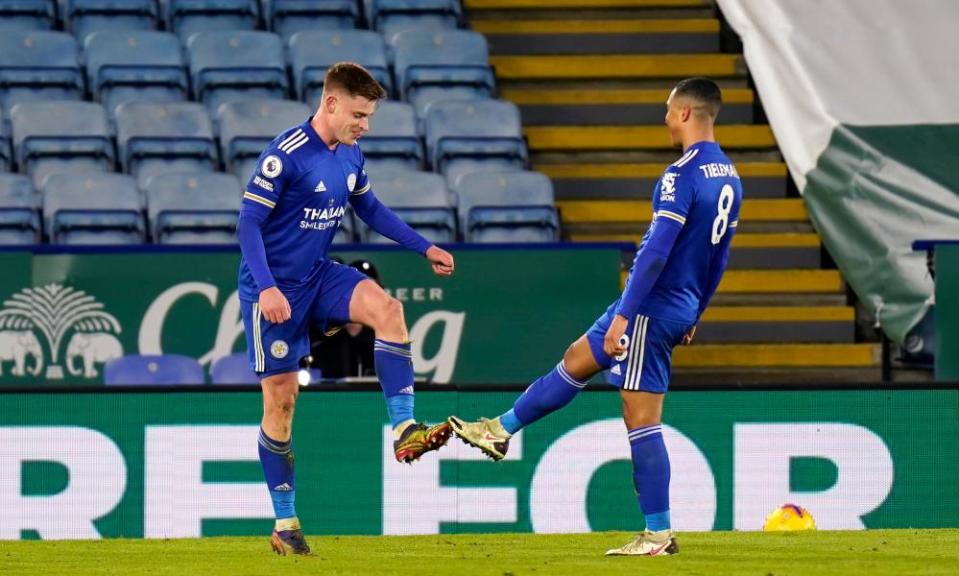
(862, 97)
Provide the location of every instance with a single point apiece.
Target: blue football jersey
(306, 186)
(703, 192)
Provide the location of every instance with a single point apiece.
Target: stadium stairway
(591, 78)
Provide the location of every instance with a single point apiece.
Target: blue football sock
(651, 475)
(277, 460)
(547, 394)
(394, 368)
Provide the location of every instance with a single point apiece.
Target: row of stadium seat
(216, 67)
(285, 17)
(201, 208)
(176, 370)
(461, 136)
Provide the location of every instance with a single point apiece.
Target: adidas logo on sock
(616, 370)
(321, 187)
(284, 487)
(407, 390)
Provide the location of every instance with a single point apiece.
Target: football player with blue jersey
(676, 271)
(291, 209)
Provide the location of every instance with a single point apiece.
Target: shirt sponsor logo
(316, 219)
(272, 166)
(668, 187)
(263, 183)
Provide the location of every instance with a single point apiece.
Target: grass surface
(869, 553)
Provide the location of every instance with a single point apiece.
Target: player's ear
(329, 102)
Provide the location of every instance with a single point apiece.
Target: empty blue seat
(93, 209)
(462, 136)
(164, 138)
(393, 141)
(85, 17)
(515, 206)
(153, 370)
(228, 66)
(445, 61)
(312, 53)
(420, 199)
(248, 126)
(52, 137)
(392, 16)
(233, 369)
(287, 17)
(19, 211)
(39, 66)
(187, 17)
(23, 15)
(193, 208)
(137, 65)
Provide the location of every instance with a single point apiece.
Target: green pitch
(867, 553)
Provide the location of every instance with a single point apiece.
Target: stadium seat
(51, 137)
(287, 17)
(187, 17)
(246, 127)
(93, 209)
(463, 136)
(233, 369)
(347, 233)
(84, 17)
(39, 66)
(137, 65)
(393, 141)
(513, 206)
(153, 370)
(164, 138)
(420, 199)
(448, 62)
(193, 208)
(19, 211)
(22, 15)
(392, 16)
(6, 157)
(311, 53)
(226, 66)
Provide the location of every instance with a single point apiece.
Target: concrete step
(593, 138)
(775, 355)
(636, 181)
(760, 283)
(603, 211)
(618, 66)
(581, 4)
(777, 324)
(620, 36)
(598, 107)
(749, 251)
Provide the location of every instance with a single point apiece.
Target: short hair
(704, 91)
(354, 79)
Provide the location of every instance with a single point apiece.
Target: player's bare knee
(392, 323)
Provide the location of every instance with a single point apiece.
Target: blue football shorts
(646, 364)
(322, 300)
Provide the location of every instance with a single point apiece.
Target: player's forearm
(254, 251)
(712, 286)
(649, 263)
(383, 220)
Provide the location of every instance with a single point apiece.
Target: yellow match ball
(789, 517)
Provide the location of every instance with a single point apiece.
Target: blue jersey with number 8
(701, 191)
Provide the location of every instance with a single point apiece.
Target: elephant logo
(54, 311)
(17, 345)
(91, 348)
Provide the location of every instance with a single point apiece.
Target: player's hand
(441, 260)
(689, 335)
(275, 306)
(613, 343)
